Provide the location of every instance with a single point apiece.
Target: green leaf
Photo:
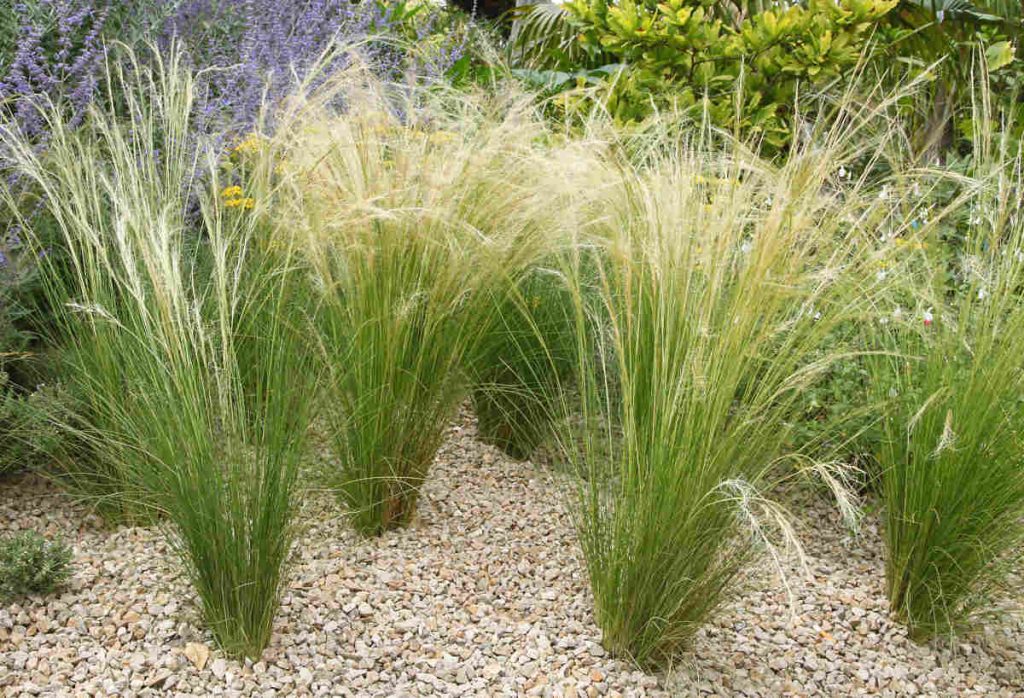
(999, 55)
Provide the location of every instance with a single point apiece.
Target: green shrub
(949, 42)
(742, 69)
(31, 565)
(15, 348)
(29, 435)
(27, 438)
(11, 426)
(837, 416)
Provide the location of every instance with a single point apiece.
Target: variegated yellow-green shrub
(674, 53)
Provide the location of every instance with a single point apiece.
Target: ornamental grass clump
(952, 457)
(413, 213)
(704, 286)
(181, 338)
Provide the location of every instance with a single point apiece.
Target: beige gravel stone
(484, 595)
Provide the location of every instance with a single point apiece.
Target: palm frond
(543, 37)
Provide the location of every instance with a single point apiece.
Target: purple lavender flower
(263, 47)
(57, 57)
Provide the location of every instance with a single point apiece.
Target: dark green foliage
(949, 43)
(29, 436)
(26, 435)
(835, 417)
(525, 359)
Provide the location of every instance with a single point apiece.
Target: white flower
(982, 293)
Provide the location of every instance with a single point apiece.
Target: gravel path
(485, 595)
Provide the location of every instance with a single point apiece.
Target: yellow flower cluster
(233, 198)
(250, 144)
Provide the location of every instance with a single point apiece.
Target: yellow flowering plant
(234, 197)
(245, 155)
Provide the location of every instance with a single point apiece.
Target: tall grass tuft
(953, 471)
(181, 337)
(414, 213)
(704, 286)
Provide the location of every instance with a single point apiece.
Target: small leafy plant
(29, 431)
(29, 564)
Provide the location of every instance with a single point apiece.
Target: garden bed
(484, 595)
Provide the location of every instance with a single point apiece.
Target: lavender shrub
(263, 47)
(53, 49)
(56, 54)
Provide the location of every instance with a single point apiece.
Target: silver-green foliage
(29, 564)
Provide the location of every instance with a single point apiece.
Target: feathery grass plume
(181, 337)
(953, 471)
(703, 288)
(414, 211)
